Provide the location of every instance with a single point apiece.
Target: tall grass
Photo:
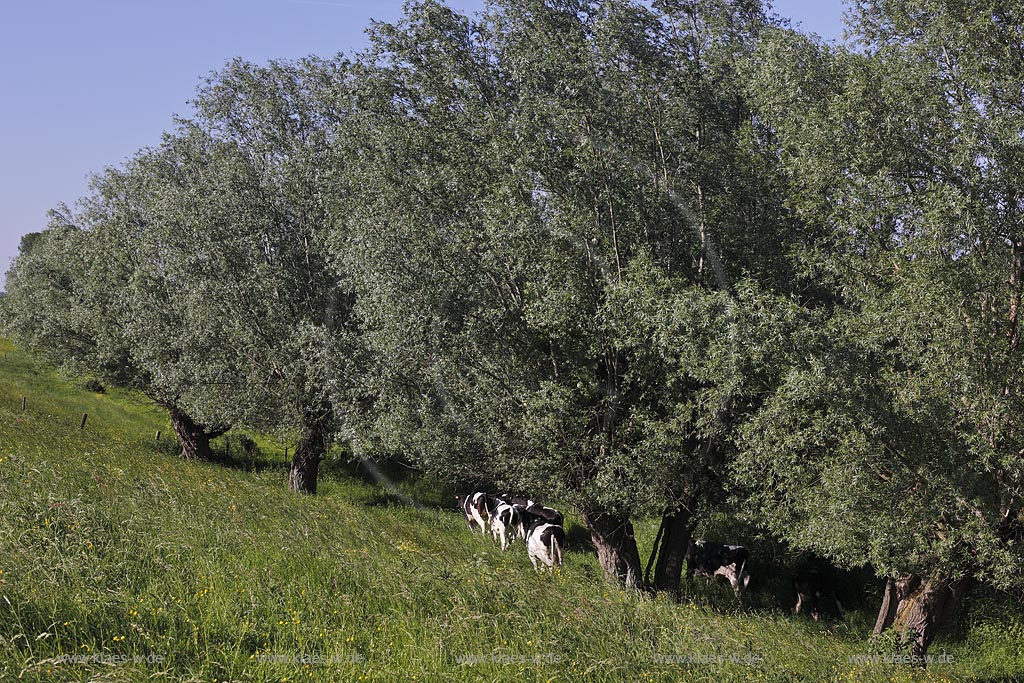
(112, 546)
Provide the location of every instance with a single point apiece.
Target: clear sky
(86, 83)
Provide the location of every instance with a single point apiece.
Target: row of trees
(646, 260)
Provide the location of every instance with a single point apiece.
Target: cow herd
(509, 518)
(513, 517)
(541, 528)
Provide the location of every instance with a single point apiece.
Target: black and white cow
(506, 524)
(518, 501)
(535, 511)
(530, 512)
(544, 543)
(477, 508)
(715, 559)
(814, 581)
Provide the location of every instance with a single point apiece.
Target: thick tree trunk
(918, 608)
(670, 550)
(616, 548)
(896, 590)
(194, 439)
(305, 465)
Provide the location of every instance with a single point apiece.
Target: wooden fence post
(23, 404)
(81, 427)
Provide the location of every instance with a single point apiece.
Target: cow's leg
(737, 587)
(729, 572)
(743, 578)
(798, 586)
(816, 605)
(480, 520)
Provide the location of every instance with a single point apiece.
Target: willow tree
(198, 270)
(283, 308)
(234, 224)
(65, 302)
(894, 434)
(547, 217)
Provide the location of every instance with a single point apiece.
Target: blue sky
(86, 83)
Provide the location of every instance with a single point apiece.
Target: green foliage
(549, 288)
(890, 643)
(197, 272)
(892, 433)
(58, 304)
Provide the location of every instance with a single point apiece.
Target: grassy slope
(110, 544)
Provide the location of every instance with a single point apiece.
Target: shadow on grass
(247, 461)
(577, 540)
(396, 483)
(385, 499)
(371, 471)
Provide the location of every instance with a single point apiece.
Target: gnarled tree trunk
(309, 452)
(616, 548)
(194, 438)
(917, 608)
(896, 590)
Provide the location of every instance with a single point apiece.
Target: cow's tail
(740, 588)
(556, 551)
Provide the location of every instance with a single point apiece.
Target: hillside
(147, 567)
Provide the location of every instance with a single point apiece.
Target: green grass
(111, 545)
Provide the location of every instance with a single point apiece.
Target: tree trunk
(887, 612)
(896, 590)
(918, 608)
(194, 440)
(616, 548)
(670, 549)
(309, 453)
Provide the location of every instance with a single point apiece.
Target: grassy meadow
(121, 562)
